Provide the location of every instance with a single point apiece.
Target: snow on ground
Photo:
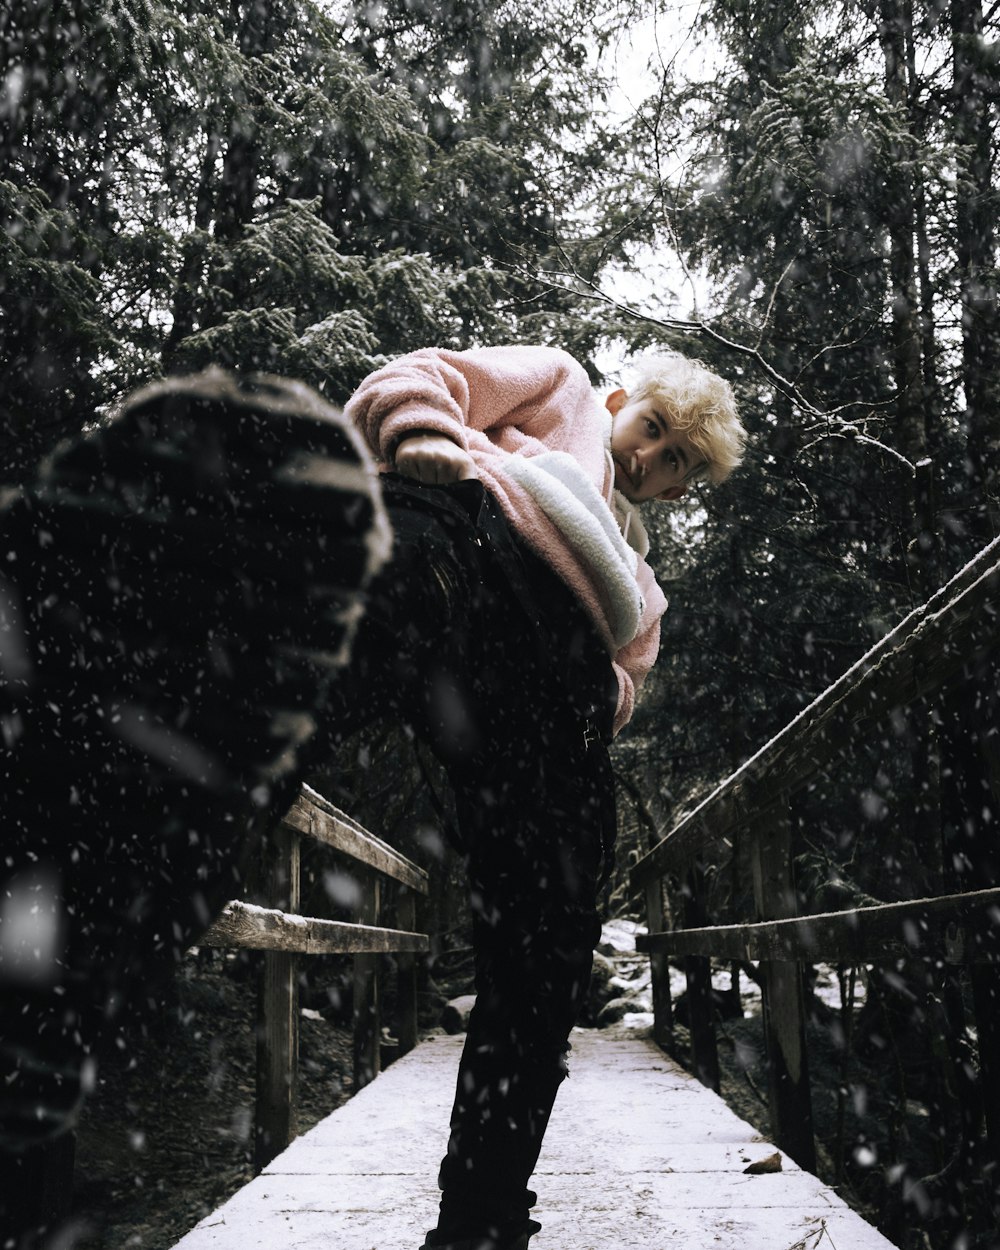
(620, 933)
(633, 976)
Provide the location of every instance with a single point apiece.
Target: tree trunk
(895, 20)
(933, 400)
(975, 86)
(185, 306)
(241, 165)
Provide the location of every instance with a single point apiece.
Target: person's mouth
(631, 473)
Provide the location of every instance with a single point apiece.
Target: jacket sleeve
(488, 389)
(631, 665)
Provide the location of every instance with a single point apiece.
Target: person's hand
(435, 459)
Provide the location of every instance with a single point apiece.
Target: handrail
(957, 925)
(316, 816)
(954, 630)
(269, 929)
(941, 632)
(282, 934)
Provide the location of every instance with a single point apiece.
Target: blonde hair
(697, 401)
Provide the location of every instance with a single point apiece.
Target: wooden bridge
(639, 1156)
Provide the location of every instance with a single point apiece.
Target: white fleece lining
(568, 497)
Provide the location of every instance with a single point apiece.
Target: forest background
(310, 189)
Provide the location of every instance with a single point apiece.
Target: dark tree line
(276, 184)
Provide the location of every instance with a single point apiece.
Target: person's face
(652, 461)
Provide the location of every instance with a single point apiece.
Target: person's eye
(651, 427)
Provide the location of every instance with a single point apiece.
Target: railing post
(406, 964)
(278, 1011)
(783, 993)
(659, 970)
(985, 975)
(367, 1007)
(698, 969)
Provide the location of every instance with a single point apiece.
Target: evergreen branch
(606, 247)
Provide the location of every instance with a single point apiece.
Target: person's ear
(672, 492)
(615, 401)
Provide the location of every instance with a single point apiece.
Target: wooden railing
(950, 639)
(284, 935)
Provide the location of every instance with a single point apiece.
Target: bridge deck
(639, 1156)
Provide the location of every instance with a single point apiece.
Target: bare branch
(682, 259)
(829, 421)
(851, 434)
(770, 302)
(834, 346)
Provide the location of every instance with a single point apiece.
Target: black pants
(486, 654)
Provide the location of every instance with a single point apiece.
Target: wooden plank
(276, 1109)
(406, 963)
(958, 928)
(367, 995)
(262, 928)
(316, 816)
(783, 995)
(638, 1155)
(926, 648)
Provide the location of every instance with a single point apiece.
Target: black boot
(497, 1237)
(177, 590)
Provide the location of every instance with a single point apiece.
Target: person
(510, 628)
(510, 631)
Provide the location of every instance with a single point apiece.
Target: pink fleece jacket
(496, 402)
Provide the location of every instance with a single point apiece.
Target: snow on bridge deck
(638, 1156)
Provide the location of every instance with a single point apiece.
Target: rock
(603, 970)
(455, 1014)
(613, 1011)
(600, 991)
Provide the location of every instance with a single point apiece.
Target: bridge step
(639, 1156)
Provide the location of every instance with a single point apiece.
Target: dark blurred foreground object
(176, 590)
